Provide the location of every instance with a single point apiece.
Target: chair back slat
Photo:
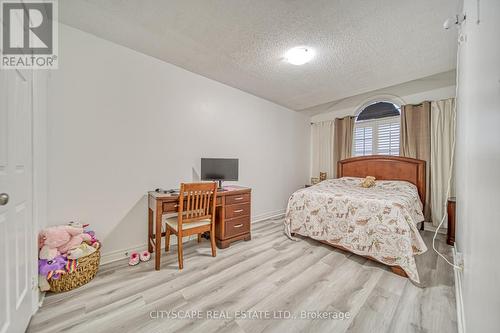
(196, 202)
(206, 199)
(197, 206)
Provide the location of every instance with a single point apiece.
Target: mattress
(379, 222)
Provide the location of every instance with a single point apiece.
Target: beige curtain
(322, 149)
(415, 141)
(343, 133)
(443, 117)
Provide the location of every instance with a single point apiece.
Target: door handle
(238, 211)
(4, 199)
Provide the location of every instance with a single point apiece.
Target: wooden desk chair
(196, 215)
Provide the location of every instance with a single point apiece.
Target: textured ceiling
(361, 45)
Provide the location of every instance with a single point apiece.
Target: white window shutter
(363, 141)
(377, 137)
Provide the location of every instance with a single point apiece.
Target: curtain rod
(312, 123)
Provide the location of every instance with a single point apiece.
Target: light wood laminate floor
(269, 273)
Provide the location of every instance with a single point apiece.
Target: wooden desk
(232, 217)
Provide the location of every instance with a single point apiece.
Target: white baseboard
(106, 258)
(458, 294)
(270, 215)
(112, 256)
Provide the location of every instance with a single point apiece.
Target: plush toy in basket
(69, 257)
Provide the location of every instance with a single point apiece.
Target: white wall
(431, 88)
(478, 163)
(121, 123)
(428, 95)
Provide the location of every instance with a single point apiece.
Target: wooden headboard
(386, 168)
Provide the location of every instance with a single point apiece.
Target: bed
(379, 223)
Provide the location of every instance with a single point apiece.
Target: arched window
(376, 130)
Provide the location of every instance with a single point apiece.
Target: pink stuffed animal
(60, 239)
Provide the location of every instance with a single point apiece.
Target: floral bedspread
(380, 222)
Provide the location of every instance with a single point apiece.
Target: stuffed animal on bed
(369, 181)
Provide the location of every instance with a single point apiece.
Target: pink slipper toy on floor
(134, 259)
(145, 256)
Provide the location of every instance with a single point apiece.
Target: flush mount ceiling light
(299, 55)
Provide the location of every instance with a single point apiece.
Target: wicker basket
(85, 272)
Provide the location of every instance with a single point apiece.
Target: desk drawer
(173, 206)
(237, 226)
(237, 210)
(236, 199)
(170, 207)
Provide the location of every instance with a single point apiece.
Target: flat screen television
(219, 169)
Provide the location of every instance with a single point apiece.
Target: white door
(16, 193)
